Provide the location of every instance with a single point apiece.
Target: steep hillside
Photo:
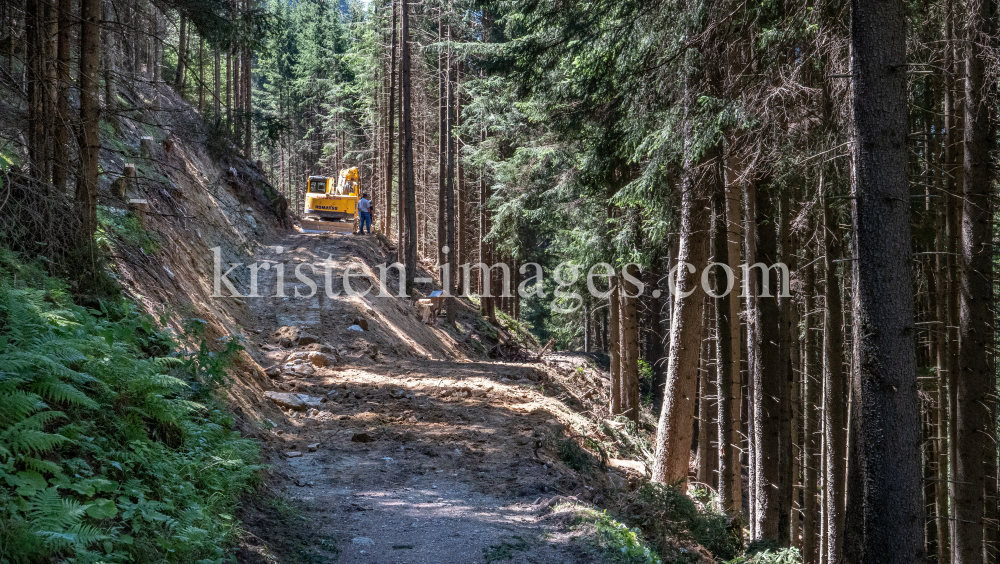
(195, 199)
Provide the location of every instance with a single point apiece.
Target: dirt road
(410, 448)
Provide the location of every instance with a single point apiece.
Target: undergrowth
(665, 513)
(768, 555)
(520, 330)
(614, 539)
(120, 226)
(112, 448)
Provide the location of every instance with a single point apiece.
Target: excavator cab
(330, 202)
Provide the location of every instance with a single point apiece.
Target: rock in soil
(307, 339)
(293, 401)
(319, 359)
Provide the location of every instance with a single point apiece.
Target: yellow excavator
(332, 204)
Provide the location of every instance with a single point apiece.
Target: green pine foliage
(111, 446)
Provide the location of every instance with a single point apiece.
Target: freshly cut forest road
(410, 450)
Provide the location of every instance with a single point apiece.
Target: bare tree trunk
(885, 482)
(673, 437)
(442, 144)
(201, 75)
(614, 346)
(751, 292)
(450, 225)
(247, 99)
(834, 389)
(947, 304)
(90, 118)
(111, 53)
(181, 54)
(34, 73)
(237, 96)
(730, 493)
(391, 123)
(733, 193)
(229, 89)
(811, 379)
(61, 135)
(786, 435)
(217, 105)
(51, 86)
(629, 356)
(976, 393)
(764, 335)
(409, 183)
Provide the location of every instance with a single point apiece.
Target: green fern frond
(27, 436)
(17, 405)
(41, 466)
(48, 511)
(77, 536)
(55, 390)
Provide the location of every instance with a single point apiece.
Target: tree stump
(146, 148)
(124, 185)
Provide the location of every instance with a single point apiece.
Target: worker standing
(365, 214)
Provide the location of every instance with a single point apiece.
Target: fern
(84, 433)
(26, 435)
(18, 404)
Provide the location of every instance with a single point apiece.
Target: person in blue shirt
(365, 214)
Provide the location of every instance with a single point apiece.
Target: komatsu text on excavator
(332, 207)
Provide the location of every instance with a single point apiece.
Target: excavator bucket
(329, 226)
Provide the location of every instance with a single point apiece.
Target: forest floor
(411, 447)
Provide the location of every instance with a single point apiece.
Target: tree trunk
(442, 145)
(111, 54)
(450, 303)
(61, 135)
(229, 89)
(90, 119)
(733, 193)
(730, 493)
(629, 356)
(237, 96)
(811, 387)
(33, 68)
(390, 124)
(834, 389)
(247, 99)
(976, 382)
(614, 347)
(409, 183)
(885, 489)
(752, 350)
(673, 437)
(217, 105)
(765, 363)
(786, 435)
(181, 54)
(201, 75)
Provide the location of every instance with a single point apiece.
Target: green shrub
(575, 456)
(111, 446)
(614, 539)
(664, 512)
(768, 554)
(120, 226)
